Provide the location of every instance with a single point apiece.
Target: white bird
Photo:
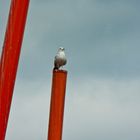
(60, 59)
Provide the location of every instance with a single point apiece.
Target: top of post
(59, 71)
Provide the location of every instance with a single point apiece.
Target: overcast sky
(102, 42)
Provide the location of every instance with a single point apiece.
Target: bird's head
(61, 49)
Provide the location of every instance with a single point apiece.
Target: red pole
(57, 105)
(10, 57)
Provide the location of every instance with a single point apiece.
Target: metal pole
(10, 57)
(57, 105)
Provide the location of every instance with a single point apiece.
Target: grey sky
(102, 42)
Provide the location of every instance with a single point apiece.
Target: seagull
(60, 59)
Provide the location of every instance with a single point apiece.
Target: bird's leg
(55, 68)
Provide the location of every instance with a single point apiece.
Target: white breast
(60, 59)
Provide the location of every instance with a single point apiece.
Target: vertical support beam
(57, 105)
(10, 57)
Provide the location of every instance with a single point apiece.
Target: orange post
(57, 105)
(10, 57)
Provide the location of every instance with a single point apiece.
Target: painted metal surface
(57, 105)
(10, 57)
